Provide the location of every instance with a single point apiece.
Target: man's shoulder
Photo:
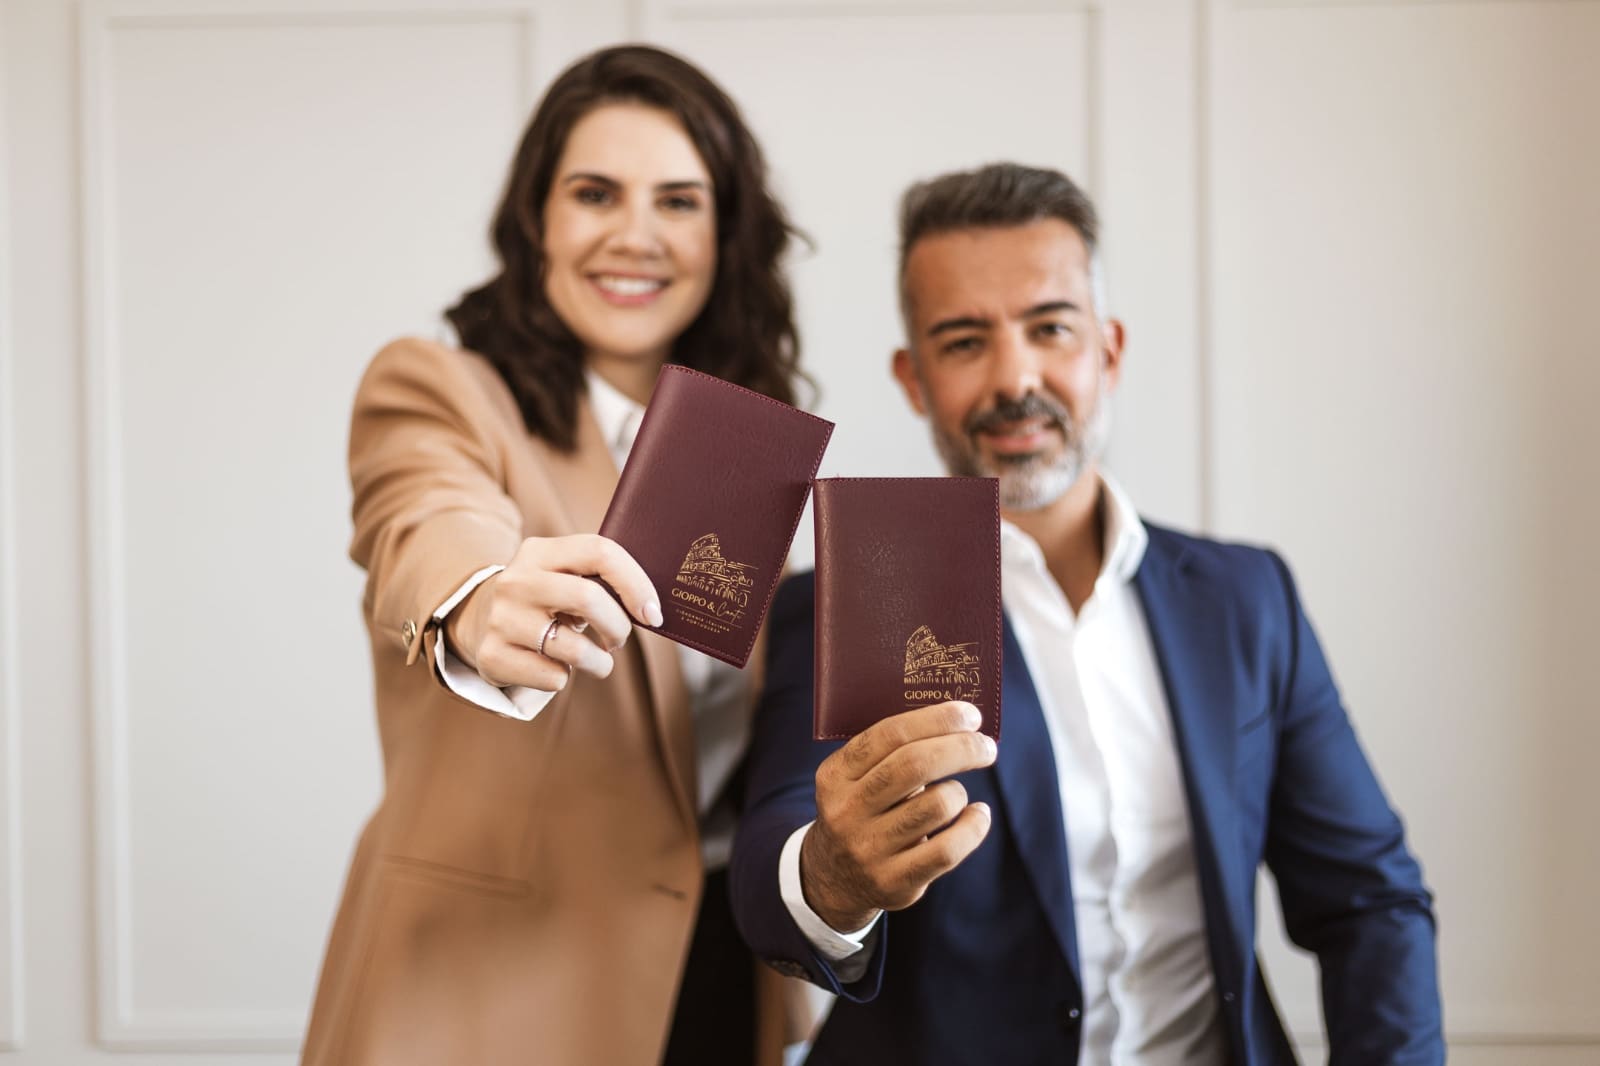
(1236, 563)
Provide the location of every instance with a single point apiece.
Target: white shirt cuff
(515, 702)
(836, 947)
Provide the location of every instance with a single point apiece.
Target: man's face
(1009, 358)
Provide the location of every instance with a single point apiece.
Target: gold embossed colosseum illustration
(945, 666)
(725, 584)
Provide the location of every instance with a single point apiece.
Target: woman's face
(630, 238)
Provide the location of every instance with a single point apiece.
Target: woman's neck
(633, 376)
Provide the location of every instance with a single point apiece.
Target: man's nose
(1016, 369)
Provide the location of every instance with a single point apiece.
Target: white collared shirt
(1149, 995)
(718, 693)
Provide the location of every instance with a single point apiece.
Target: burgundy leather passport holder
(908, 599)
(709, 501)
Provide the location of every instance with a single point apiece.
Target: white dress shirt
(718, 693)
(1149, 996)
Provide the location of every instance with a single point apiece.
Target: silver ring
(549, 631)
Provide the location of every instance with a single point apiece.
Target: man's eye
(963, 345)
(1055, 329)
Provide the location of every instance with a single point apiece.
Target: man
(1085, 893)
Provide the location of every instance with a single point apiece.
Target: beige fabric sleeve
(429, 507)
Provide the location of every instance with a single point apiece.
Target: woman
(530, 887)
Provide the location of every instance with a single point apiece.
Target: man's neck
(1072, 535)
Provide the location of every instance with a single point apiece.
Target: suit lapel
(1025, 769)
(585, 480)
(1190, 631)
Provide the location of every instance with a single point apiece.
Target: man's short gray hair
(999, 195)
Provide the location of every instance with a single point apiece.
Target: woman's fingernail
(652, 613)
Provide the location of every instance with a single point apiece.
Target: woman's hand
(541, 617)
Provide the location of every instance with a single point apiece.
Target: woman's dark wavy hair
(745, 333)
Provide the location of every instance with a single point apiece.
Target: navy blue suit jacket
(983, 969)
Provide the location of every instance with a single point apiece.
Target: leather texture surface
(709, 501)
(908, 599)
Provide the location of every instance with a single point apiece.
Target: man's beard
(1033, 481)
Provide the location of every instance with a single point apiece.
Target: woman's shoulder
(457, 375)
(433, 360)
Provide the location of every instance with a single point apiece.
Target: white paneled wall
(850, 108)
(1351, 242)
(10, 795)
(853, 102)
(1405, 240)
(251, 238)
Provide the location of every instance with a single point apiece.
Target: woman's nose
(637, 231)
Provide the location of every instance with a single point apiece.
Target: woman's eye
(680, 204)
(593, 194)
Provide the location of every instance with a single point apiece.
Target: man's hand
(888, 823)
(498, 629)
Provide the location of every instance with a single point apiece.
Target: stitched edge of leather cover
(672, 378)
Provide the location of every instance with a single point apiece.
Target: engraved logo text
(937, 673)
(715, 588)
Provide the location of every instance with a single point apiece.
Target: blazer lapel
(1189, 629)
(1025, 768)
(586, 478)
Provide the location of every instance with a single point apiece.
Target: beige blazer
(526, 891)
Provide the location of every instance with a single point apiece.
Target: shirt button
(1228, 997)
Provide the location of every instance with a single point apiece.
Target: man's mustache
(1006, 412)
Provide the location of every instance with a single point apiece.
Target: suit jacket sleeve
(429, 507)
(780, 797)
(1351, 891)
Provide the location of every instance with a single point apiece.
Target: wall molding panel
(647, 18)
(1247, 5)
(11, 925)
(1272, 36)
(121, 1025)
